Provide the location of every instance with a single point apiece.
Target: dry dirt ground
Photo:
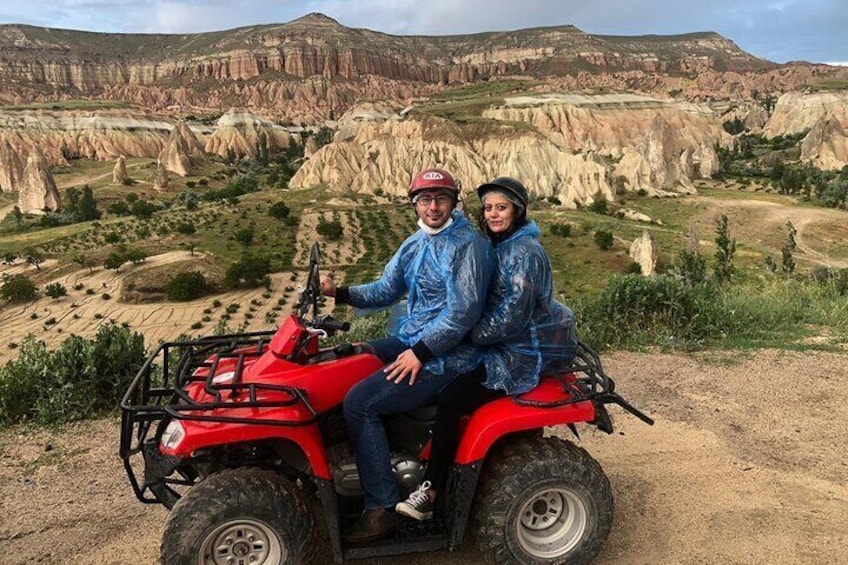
(746, 464)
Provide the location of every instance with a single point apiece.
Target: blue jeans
(364, 407)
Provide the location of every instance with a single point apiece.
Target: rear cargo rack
(585, 379)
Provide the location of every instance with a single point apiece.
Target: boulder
(38, 189)
(643, 251)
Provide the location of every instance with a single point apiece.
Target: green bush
(331, 230)
(55, 290)
(603, 239)
(248, 272)
(633, 310)
(186, 286)
(279, 210)
(18, 288)
(81, 379)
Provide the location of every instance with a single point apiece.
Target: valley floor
(745, 464)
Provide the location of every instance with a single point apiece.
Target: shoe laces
(419, 496)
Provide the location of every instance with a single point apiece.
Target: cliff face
(313, 67)
(576, 148)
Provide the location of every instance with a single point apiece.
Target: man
(444, 269)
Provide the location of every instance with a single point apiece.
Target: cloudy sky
(778, 30)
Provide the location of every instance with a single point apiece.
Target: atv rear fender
(502, 417)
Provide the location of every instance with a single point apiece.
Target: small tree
(331, 230)
(279, 210)
(603, 239)
(725, 249)
(186, 286)
(788, 263)
(55, 290)
(244, 236)
(19, 216)
(82, 260)
(114, 261)
(18, 288)
(34, 258)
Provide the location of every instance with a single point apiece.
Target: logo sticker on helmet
(433, 175)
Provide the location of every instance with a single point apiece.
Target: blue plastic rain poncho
(527, 332)
(446, 277)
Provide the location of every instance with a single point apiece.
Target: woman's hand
(406, 365)
(328, 286)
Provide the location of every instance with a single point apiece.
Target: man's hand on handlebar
(328, 286)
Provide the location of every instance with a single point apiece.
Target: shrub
(244, 236)
(603, 239)
(279, 210)
(561, 230)
(248, 272)
(331, 230)
(599, 206)
(633, 310)
(186, 286)
(185, 228)
(81, 379)
(55, 290)
(18, 288)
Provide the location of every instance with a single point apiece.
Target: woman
(525, 331)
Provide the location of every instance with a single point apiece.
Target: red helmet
(433, 178)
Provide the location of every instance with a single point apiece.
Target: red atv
(240, 434)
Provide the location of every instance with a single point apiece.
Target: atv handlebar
(330, 325)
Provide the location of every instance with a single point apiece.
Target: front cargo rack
(158, 391)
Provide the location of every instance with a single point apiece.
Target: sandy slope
(745, 465)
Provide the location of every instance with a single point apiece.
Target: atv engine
(409, 471)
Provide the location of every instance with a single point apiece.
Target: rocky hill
(313, 67)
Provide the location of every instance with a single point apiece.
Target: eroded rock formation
(574, 148)
(38, 189)
(826, 146)
(183, 153)
(244, 134)
(797, 112)
(11, 168)
(119, 171)
(160, 181)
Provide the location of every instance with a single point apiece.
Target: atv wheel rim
(241, 542)
(551, 523)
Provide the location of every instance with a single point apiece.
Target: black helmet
(508, 185)
(516, 193)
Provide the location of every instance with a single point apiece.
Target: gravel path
(745, 465)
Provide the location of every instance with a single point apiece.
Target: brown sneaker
(373, 524)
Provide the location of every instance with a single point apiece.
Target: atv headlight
(173, 435)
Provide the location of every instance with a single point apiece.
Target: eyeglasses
(425, 201)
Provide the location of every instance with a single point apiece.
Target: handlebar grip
(330, 325)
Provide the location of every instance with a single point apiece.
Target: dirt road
(745, 465)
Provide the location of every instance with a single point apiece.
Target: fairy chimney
(161, 180)
(11, 169)
(643, 251)
(119, 173)
(183, 153)
(38, 189)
